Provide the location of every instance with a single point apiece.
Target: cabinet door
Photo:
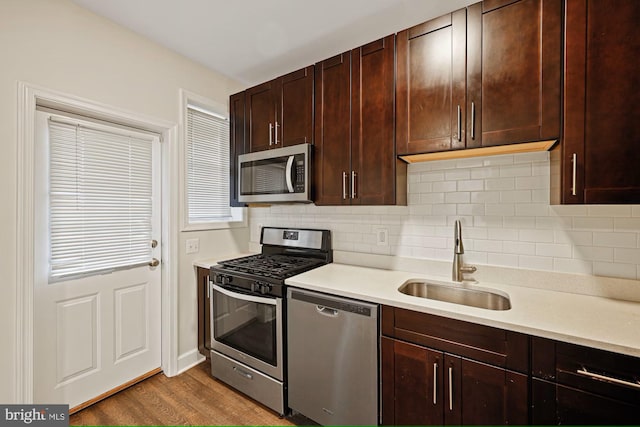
(514, 64)
(602, 105)
(373, 159)
(295, 108)
(261, 116)
(580, 407)
(488, 394)
(412, 384)
(204, 310)
(332, 145)
(430, 89)
(236, 137)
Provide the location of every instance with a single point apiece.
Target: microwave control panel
(299, 183)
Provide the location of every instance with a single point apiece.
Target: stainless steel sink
(474, 297)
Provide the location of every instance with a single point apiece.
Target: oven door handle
(244, 297)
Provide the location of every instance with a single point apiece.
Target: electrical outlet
(382, 237)
(193, 246)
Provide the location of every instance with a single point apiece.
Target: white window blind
(100, 200)
(207, 167)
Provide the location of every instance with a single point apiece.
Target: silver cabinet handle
(473, 120)
(243, 373)
(344, 185)
(574, 160)
(270, 135)
(606, 378)
(435, 382)
(451, 389)
(276, 133)
(208, 288)
(459, 123)
(354, 176)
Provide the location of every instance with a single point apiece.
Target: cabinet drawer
(483, 343)
(608, 374)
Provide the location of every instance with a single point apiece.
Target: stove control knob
(265, 288)
(224, 280)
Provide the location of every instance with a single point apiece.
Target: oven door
(248, 328)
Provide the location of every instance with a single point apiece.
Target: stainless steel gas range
(248, 310)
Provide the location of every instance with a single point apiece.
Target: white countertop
(593, 321)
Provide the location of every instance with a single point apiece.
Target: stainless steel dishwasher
(332, 358)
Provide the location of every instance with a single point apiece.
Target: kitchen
(509, 224)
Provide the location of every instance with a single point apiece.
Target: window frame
(238, 214)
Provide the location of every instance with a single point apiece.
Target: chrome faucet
(458, 249)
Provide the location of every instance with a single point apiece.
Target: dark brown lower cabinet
(559, 404)
(204, 309)
(439, 371)
(423, 386)
(574, 384)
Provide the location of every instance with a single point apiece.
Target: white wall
(60, 46)
(503, 202)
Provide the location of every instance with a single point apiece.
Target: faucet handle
(468, 269)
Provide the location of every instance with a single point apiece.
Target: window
(100, 194)
(206, 162)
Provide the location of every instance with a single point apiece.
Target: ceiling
(255, 40)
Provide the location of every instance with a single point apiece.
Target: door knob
(154, 262)
(154, 243)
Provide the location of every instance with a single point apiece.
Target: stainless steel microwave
(281, 175)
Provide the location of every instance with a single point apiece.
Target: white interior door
(96, 297)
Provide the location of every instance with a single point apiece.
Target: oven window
(246, 326)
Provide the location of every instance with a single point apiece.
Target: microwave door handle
(288, 174)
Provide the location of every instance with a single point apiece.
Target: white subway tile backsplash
(500, 184)
(471, 185)
(503, 203)
(631, 256)
(580, 238)
(626, 224)
(593, 253)
(608, 210)
(535, 262)
(504, 260)
(500, 209)
(595, 224)
(517, 196)
(505, 159)
(610, 269)
(485, 197)
(516, 170)
(444, 186)
(615, 240)
(458, 197)
(554, 250)
(520, 248)
(502, 234)
(457, 175)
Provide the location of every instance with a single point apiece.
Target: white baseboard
(188, 360)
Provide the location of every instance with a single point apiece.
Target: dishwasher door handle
(326, 311)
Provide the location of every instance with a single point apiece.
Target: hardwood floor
(191, 398)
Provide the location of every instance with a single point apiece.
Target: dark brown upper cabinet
(355, 158)
(280, 112)
(237, 142)
(482, 76)
(599, 158)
